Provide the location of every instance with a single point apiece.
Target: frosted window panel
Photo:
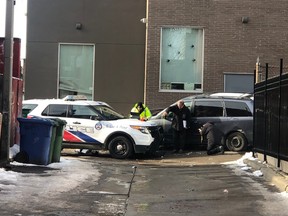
(181, 58)
(76, 70)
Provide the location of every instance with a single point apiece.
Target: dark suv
(231, 113)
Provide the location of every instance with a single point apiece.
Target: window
(76, 69)
(181, 67)
(58, 110)
(27, 108)
(108, 113)
(171, 114)
(208, 109)
(187, 104)
(235, 82)
(78, 111)
(234, 108)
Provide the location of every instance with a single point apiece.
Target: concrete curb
(271, 174)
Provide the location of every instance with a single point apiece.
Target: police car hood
(135, 122)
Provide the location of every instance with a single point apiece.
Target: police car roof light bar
(74, 97)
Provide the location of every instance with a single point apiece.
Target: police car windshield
(108, 113)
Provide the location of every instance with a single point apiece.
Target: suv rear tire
(236, 142)
(120, 147)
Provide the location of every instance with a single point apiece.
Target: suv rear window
(80, 111)
(208, 109)
(58, 110)
(237, 108)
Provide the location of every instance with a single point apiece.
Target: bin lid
(59, 121)
(36, 120)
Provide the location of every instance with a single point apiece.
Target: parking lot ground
(199, 157)
(190, 183)
(197, 190)
(191, 158)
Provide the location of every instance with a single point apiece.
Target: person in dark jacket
(214, 138)
(180, 123)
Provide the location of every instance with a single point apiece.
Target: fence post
(279, 113)
(7, 83)
(265, 112)
(0, 124)
(254, 113)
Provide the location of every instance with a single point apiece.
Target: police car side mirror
(169, 117)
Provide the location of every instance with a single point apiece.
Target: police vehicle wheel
(236, 142)
(120, 147)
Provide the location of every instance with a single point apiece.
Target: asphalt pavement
(167, 184)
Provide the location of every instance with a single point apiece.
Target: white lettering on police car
(89, 130)
(85, 129)
(108, 125)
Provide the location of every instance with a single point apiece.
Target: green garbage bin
(58, 139)
(53, 137)
(25, 112)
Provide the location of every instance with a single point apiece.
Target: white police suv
(95, 125)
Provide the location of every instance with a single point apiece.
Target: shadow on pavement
(28, 169)
(155, 155)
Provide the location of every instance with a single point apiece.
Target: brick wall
(229, 45)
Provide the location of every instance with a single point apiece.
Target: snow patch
(258, 173)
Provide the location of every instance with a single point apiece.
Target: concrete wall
(229, 44)
(113, 26)
(273, 162)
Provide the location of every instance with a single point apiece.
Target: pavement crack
(130, 186)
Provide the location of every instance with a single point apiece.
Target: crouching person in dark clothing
(214, 138)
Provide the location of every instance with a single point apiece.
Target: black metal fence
(271, 114)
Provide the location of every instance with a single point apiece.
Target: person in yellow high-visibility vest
(140, 111)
